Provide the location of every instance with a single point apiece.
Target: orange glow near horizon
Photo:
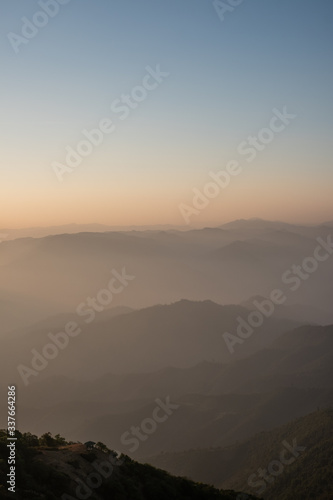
(127, 206)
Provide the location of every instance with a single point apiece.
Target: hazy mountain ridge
(162, 336)
(223, 402)
(195, 328)
(308, 477)
(167, 265)
(39, 232)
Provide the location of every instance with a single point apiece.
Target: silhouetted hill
(52, 469)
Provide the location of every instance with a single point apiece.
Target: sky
(212, 80)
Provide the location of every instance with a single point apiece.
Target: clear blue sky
(225, 79)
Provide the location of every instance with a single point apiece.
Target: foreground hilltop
(50, 468)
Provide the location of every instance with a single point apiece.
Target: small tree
(30, 439)
(61, 441)
(47, 439)
(102, 447)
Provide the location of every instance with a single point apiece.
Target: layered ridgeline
(49, 468)
(105, 377)
(217, 404)
(43, 276)
(179, 335)
(294, 461)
